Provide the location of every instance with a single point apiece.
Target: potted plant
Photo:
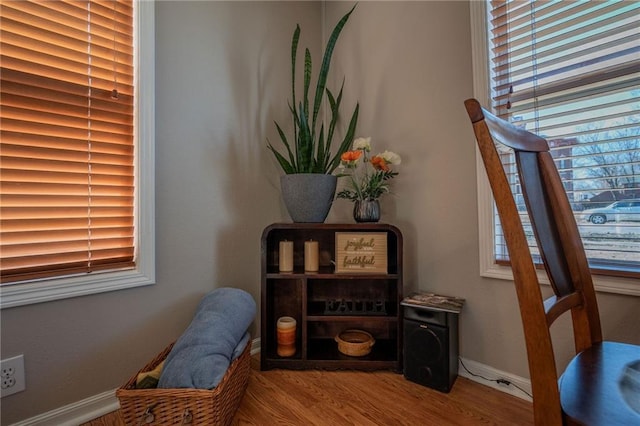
(308, 186)
(368, 178)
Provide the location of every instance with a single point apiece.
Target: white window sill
(12, 295)
(604, 284)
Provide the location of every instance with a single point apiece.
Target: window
(77, 157)
(569, 71)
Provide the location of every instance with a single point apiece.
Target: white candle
(286, 256)
(311, 256)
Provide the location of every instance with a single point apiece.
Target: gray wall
(222, 78)
(409, 66)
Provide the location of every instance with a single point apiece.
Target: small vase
(366, 211)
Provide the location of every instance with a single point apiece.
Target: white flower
(390, 157)
(363, 144)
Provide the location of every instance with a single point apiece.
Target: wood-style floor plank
(312, 397)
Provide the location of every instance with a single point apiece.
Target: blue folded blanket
(202, 355)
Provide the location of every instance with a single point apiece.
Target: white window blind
(570, 72)
(67, 133)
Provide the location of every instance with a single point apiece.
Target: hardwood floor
(285, 397)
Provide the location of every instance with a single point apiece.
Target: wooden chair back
(560, 247)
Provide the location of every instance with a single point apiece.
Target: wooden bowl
(355, 342)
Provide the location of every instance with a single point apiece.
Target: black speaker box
(430, 347)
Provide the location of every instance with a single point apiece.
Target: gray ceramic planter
(308, 196)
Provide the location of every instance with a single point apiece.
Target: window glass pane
(570, 72)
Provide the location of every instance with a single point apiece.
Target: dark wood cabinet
(325, 303)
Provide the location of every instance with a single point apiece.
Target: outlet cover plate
(12, 376)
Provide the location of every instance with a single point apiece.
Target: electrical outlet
(12, 375)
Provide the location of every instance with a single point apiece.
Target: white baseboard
(255, 346)
(76, 413)
(106, 402)
(490, 374)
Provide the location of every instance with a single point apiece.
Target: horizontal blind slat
(61, 224)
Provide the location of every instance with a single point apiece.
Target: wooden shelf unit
(304, 296)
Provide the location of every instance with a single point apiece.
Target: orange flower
(379, 163)
(351, 156)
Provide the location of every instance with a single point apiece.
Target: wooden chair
(594, 388)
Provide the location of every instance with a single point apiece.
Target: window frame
(49, 289)
(488, 266)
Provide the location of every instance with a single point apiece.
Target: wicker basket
(186, 406)
(355, 342)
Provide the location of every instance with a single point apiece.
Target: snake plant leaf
(319, 160)
(305, 148)
(296, 121)
(334, 112)
(335, 107)
(285, 142)
(348, 138)
(326, 62)
(332, 100)
(307, 80)
(294, 53)
(286, 166)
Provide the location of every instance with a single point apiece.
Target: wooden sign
(361, 252)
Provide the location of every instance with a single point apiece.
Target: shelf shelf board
(329, 276)
(323, 364)
(327, 349)
(352, 318)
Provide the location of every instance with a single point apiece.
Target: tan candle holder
(286, 335)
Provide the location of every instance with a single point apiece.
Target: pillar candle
(311, 256)
(286, 256)
(286, 336)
